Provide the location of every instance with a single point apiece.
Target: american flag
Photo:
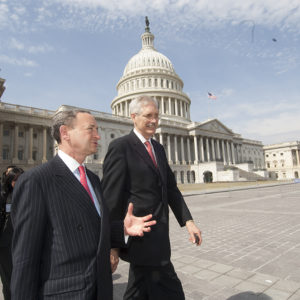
(211, 96)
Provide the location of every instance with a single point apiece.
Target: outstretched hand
(136, 226)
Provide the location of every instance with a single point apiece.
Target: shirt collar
(141, 138)
(71, 163)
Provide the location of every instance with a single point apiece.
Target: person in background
(8, 168)
(6, 231)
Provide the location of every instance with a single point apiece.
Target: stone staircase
(249, 176)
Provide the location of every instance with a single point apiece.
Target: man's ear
(132, 116)
(64, 133)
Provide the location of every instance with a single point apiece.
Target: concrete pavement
(250, 250)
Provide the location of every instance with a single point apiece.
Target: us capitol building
(197, 151)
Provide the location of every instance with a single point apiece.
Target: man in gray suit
(62, 232)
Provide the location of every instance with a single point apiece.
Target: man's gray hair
(63, 117)
(135, 106)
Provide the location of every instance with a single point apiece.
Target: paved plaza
(250, 250)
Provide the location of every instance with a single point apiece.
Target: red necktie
(83, 180)
(149, 149)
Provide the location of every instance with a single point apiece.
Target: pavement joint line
(239, 202)
(277, 256)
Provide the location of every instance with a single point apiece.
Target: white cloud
(284, 123)
(40, 49)
(24, 62)
(4, 12)
(15, 44)
(178, 14)
(33, 49)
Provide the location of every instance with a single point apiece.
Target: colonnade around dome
(168, 106)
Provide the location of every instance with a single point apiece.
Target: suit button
(79, 227)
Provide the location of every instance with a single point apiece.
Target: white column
(16, 144)
(218, 150)
(233, 153)
(181, 108)
(207, 149)
(223, 152)
(237, 153)
(202, 149)
(188, 149)
(176, 107)
(121, 106)
(182, 151)
(161, 139)
(170, 107)
(241, 154)
(30, 145)
(126, 108)
(162, 106)
(228, 152)
(44, 145)
(196, 150)
(297, 156)
(169, 149)
(213, 149)
(176, 150)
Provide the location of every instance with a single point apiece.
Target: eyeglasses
(150, 116)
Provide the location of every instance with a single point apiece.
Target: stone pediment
(214, 126)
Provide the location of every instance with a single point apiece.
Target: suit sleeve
(117, 234)
(28, 216)
(114, 182)
(175, 199)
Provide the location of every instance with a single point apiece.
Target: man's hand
(194, 232)
(114, 259)
(136, 226)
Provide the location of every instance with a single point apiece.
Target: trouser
(5, 270)
(153, 283)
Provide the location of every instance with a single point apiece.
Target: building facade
(283, 160)
(2, 87)
(197, 151)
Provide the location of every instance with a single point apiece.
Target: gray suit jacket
(60, 244)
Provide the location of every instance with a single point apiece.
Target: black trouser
(153, 283)
(5, 270)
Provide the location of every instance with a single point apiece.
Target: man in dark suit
(136, 170)
(62, 232)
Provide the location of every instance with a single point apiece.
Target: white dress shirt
(143, 140)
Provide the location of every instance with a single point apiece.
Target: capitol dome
(148, 58)
(152, 73)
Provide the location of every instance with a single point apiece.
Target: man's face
(83, 135)
(146, 122)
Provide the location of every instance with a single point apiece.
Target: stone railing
(26, 109)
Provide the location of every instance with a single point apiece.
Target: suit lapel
(160, 157)
(142, 151)
(72, 188)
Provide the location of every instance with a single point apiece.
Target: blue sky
(74, 52)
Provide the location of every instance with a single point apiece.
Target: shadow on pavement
(249, 296)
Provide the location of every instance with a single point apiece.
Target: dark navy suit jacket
(129, 175)
(60, 244)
